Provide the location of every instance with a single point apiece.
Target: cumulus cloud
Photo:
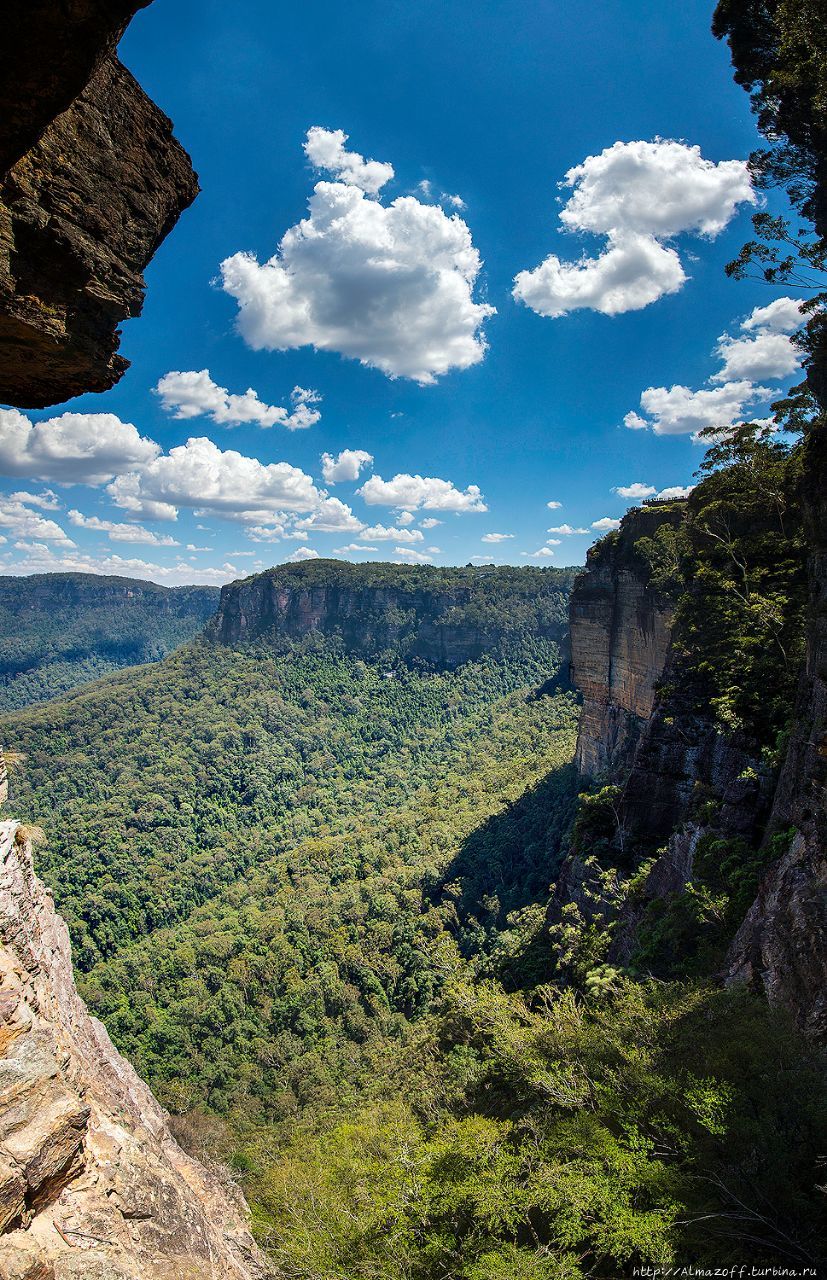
(388, 285)
(36, 557)
(430, 523)
(20, 521)
(302, 553)
(677, 411)
(677, 491)
(764, 349)
(47, 500)
(496, 537)
(352, 547)
(636, 490)
(332, 516)
(379, 533)
(566, 529)
(116, 532)
(199, 475)
(405, 517)
(347, 466)
(554, 506)
(781, 316)
(629, 274)
(542, 553)
(408, 553)
(605, 523)
(415, 492)
(325, 149)
(194, 394)
(74, 448)
(636, 194)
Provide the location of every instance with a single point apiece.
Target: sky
(453, 291)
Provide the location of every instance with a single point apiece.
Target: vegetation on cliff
(61, 630)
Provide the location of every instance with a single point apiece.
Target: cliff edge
(92, 1184)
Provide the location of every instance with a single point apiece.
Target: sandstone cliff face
(92, 182)
(92, 1184)
(620, 630)
(437, 624)
(782, 945)
(669, 763)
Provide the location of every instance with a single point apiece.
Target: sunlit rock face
(91, 181)
(437, 622)
(92, 1183)
(620, 632)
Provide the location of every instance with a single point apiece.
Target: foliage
(61, 630)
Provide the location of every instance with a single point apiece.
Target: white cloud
(677, 411)
(332, 516)
(408, 553)
(38, 558)
(430, 523)
(47, 500)
(325, 149)
(637, 194)
(194, 393)
(353, 547)
(389, 285)
(636, 490)
(554, 506)
(17, 517)
(629, 274)
(553, 542)
(434, 550)
(767, 355)
(677, 491)
(405, 517)
(302, 553)
(542, 553)
(496, 537)
(781, 316)
(456, 202)
(221, 482)
(765, 350)
(566, 529)
(135, 533)
(74, 448)
(414, 492)
(605, 523)
(379, 533)
(347, 466)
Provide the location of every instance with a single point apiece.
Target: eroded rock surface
(91, 181)
(92, 1184)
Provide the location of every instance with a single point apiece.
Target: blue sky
(492, 103)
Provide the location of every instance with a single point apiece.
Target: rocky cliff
(782, 944)
(682, 776)
(440, 616)
(92, 1184)
(620, 629)
(60, 630)
(91, 181)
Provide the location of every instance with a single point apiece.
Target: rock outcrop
(92, 1184)
(620, 631)
(782, 945)
(91, 181)
(673, 764)
(432, 615)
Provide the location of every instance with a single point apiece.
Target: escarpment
(92, 1184)
(91, 181)
(685, 777)
(443, 617)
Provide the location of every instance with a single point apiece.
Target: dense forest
(61, 630)
(315, 892)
